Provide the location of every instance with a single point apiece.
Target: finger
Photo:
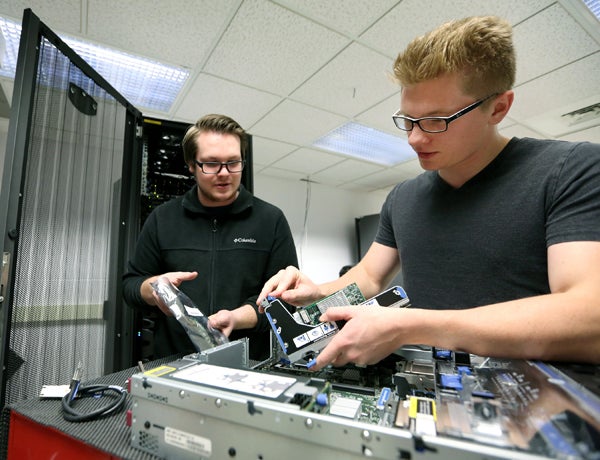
(278, 284)
(314, 365)
(337, 314)
(294, 297)
(268, 287)
(212, 322)
(261, 308)
(180, 277)
(188, 276)
(328, 355)
(262, 303)
(287, 280)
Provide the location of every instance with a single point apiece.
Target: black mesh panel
(74, 160)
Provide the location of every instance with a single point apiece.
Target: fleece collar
(191, 203)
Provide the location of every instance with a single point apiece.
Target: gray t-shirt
(487, 241)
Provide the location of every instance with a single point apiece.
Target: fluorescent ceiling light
(593, 6)
(143, 82)
(364, 143)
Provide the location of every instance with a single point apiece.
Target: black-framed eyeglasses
(214, 167)
(434, 124)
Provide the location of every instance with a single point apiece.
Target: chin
(223, 197)
(428, 165)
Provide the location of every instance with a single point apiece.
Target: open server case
(418, 402)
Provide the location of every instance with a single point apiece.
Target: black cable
(71, 415)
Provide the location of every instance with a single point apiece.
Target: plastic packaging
(202, 334)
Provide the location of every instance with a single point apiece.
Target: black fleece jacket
(235, 249)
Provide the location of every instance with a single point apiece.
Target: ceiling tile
(506, 122)
(271, 48)
(280, 174)
(345, 171)
(347, 16)
(554, 38)
(268, 151)
(63, 15)
(361, 87)
(307, 161)
(557, 122)
(380, 179)
(408, 169)
(153, 29)
(517, 130)
(412, 18)
(209, 94)
(574, 82)
(590, 135)
(380, 116)
(296, 123)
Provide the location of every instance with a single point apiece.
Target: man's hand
(224, 320)
(176, 278)
(291, 286)
(369, 335)
(243, 317)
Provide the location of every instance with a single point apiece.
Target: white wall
(328, 240)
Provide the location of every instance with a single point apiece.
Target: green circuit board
(350, 295)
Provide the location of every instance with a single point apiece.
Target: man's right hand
(291, 286)
(176, 278)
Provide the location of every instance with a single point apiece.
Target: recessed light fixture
(143, 82)
(593, 6)
(364, 143)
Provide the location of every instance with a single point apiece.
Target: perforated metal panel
(70, 204)
(62, 266)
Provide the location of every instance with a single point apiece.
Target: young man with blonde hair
(499, 239)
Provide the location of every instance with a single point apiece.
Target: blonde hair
(211, 123)
(480, 48)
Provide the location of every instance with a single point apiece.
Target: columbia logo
(244, 240)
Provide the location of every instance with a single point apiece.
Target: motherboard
(418, 402)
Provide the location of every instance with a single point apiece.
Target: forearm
(245, 317)
(558, 326)
(331, 287)
(357, 274)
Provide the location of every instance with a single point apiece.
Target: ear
(501, 105)
(192, 168)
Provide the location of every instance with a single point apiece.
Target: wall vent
(576, 116)
(582, 115)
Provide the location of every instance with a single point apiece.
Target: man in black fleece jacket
(217, 243)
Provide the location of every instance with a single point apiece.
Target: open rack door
(70, 196)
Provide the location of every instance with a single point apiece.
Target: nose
(417, 136)
(223, 171)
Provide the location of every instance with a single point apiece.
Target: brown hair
(479, 47)
(211, 123)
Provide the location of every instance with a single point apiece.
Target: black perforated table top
(108, 434)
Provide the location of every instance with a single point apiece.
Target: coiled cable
(117, 394)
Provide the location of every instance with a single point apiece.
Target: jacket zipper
(213, 266)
